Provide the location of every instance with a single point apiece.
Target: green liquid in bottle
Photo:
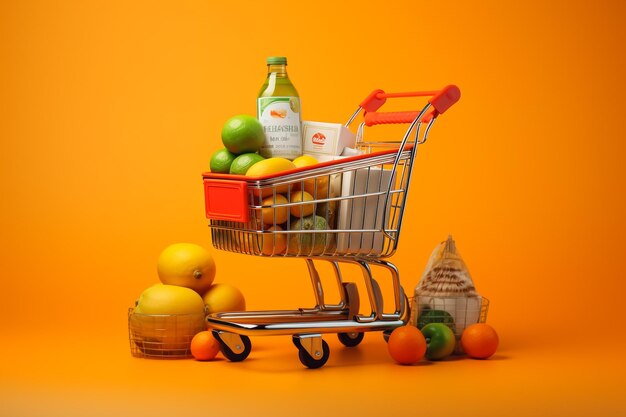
(278, 110)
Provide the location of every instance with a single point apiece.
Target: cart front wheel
(311, 362)
(351, 339)
(234, 347)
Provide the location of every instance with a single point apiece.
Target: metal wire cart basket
(354, 218)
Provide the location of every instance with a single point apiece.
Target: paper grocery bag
(364, 211)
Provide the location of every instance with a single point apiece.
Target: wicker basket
(455, 312)
(163, 336)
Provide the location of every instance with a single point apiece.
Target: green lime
(244, 161)
(435, 316)
(221, 161)
(243, 134)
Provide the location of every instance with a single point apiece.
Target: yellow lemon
(271, 166)
(165, 320)
(224, 297)
(186, 265)
(301, 210)
(164, 299)
(304, 161)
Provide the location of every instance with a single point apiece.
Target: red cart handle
(441, 101)
(396, 117)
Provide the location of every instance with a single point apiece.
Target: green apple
(303, 243)
(435, 316)
(440, 341)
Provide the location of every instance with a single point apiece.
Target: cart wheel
(296, 342)
(229, 353)
(351, 339)
(314, 363)
(386, 334)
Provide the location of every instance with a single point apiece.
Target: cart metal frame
(362, 200)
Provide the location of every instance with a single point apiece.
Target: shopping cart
(351, 217)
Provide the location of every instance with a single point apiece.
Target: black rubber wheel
(386, 334)
(229, 354)
(312, 363)
(351, 339)
(296, 342)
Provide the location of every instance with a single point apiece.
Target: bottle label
(280, 117)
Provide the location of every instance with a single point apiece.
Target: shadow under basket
(455, 312)
(162, 336)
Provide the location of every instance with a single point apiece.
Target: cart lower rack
(347, 213)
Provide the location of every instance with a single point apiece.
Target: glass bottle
(278, 110)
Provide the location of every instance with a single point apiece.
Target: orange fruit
(204, 347)
(224, 297)
(274, 243)
(242, 134)
(301, 210)
(317, 187)
(187, 265)
(406, 345)
(479, 341)
(274, 215)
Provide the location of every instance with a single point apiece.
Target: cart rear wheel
(229, 353)
(351, 339)
(314, 363)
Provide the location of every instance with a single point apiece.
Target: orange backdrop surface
(109, 112)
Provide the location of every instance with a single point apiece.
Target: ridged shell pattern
(446, 275)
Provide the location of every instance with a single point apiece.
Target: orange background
(109, 112)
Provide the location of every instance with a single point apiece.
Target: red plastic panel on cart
(226, 200)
